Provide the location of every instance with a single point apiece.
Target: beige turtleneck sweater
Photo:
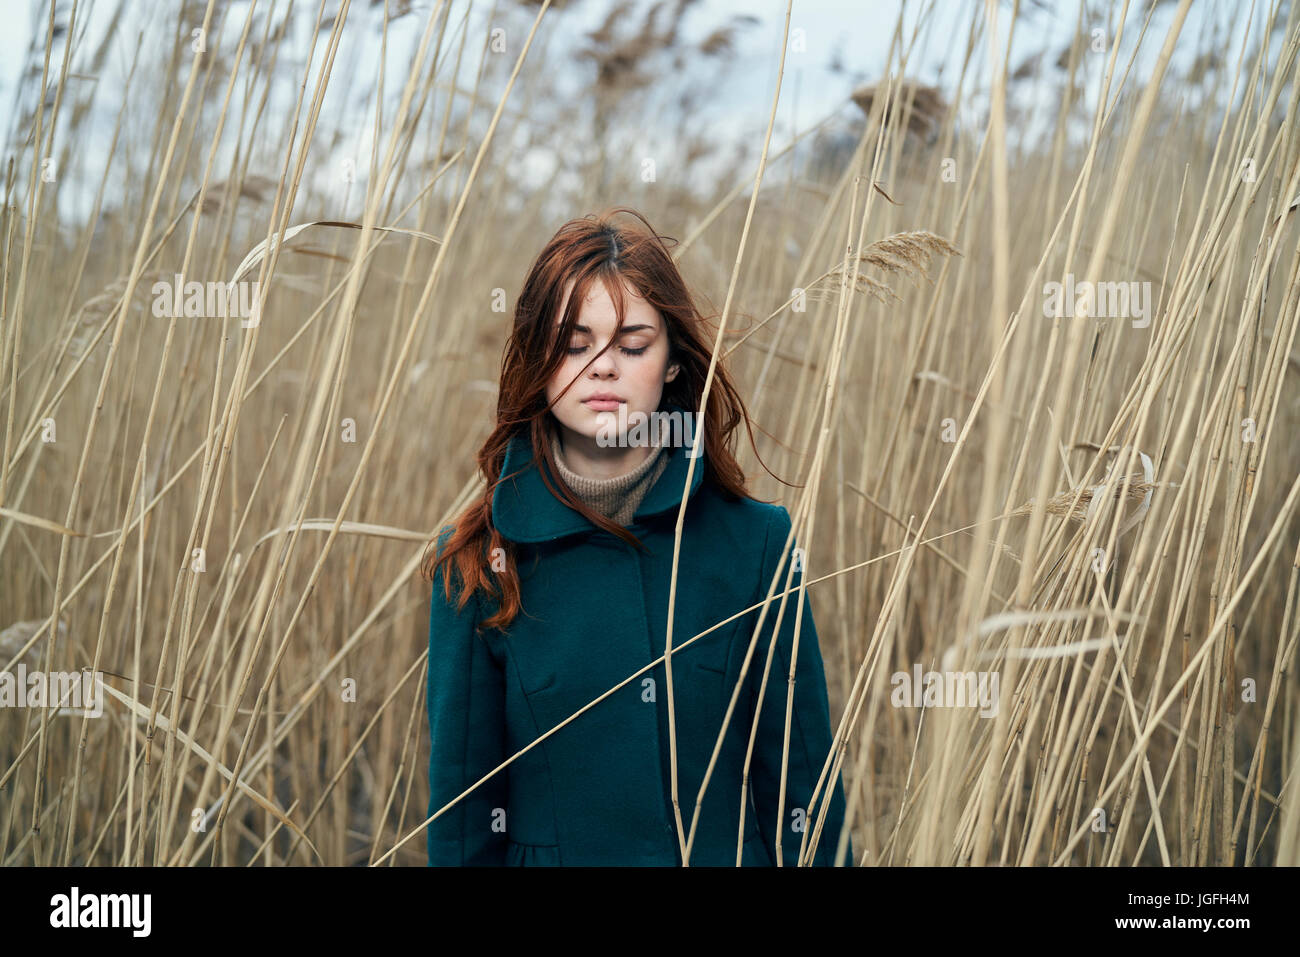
(619, 497)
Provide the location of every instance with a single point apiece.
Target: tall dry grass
(227, 521)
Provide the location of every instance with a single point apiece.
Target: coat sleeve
(810, 725)
(466, 704)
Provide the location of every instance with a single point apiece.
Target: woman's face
(629, 377)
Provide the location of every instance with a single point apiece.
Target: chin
(595, 424)
(580, 421)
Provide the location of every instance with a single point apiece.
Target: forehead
(597, 309)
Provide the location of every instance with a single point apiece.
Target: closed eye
(578, 350)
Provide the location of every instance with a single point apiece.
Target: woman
(562, 573)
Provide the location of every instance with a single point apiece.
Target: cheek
(650, 375)
(563, 376)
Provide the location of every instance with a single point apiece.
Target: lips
(603, 402)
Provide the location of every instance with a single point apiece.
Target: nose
(604, 365)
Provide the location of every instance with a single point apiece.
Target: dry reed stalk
(951, 418)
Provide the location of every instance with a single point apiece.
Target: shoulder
(443, 537)
(752, 535)
(439, 546)
(440, 541)
(760, 525)
(438, 599)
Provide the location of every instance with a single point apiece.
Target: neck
(585, 457)
(616, 497)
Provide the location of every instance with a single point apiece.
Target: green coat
(599, 792)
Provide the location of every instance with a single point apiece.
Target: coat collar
(524, 510)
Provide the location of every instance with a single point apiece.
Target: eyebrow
(622, 332)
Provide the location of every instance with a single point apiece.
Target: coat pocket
(753, 853)
(532, 855)
(538, 682)
(713, 676)
(711, 654)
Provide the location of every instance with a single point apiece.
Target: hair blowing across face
(587, 250)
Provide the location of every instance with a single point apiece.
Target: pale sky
(856, 32)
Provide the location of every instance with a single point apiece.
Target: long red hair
(594, 248)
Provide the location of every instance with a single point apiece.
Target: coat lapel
(524, 510)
